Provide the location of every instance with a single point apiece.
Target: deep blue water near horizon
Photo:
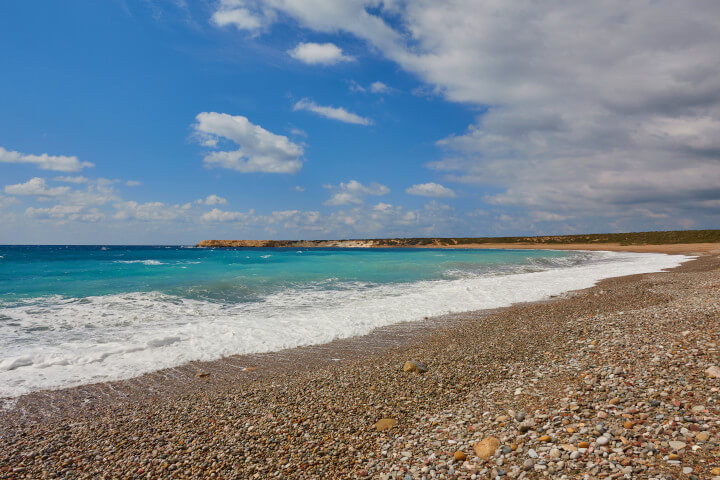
(78, 314)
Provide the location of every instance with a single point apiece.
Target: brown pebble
(385, 424)
(544, 438)
(460, 456)
(628, 424)
(486, 447)
(583, 445)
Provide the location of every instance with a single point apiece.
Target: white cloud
(298, 188)
(60, 163)
(212, 200)
(260, 150)
(298, 132)
(65, 213)
(577, 122)
(430, 190)
(78, 179)
(334, 113)
(353, 193)
(375, 87)
(379, 87)
(35, 186)
(220, 216)
(319, 53)
(133, 183)
(238, 17)
(149, 211)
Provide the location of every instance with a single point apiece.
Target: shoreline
(68, 400)
(108, 405)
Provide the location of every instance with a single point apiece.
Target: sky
(174, 121)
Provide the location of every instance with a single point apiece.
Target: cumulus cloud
(430, 189)
(260, 150)
(379, 87)
(35, 186)
(334, 113)
(319, 54)
(78, 179)
(212, 200)
(353, 192)
(60, 163)
(65, 213)
(596, 108)
(133, 183)
(219, 216)
(150, 211)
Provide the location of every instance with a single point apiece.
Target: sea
(72, 315)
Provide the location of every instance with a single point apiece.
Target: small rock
(385, 424)
(713, 372)
(201, 374)
(460, 456)
(524, 427)
(675, 445)
(702, 437)
(415, 366)
(602, 441)
(486, 447)
(583, 445)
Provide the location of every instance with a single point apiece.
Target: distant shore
(605, 382)
(675, 248)
(681, 241)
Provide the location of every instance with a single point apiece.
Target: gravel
(609, 382)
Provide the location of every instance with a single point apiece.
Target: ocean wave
(144, 262)
(109, 337)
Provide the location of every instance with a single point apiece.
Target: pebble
(486, 448)
(415, 366)
(385, 424)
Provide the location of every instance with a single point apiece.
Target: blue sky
(319, 119)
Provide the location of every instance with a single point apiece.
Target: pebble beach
(621, 380)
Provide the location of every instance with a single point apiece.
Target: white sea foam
(144, 262)
(120, 336)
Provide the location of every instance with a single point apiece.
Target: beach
(614, 381)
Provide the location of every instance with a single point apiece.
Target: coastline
(265, 374)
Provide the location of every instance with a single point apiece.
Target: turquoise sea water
(79, 314)
(242, 275)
